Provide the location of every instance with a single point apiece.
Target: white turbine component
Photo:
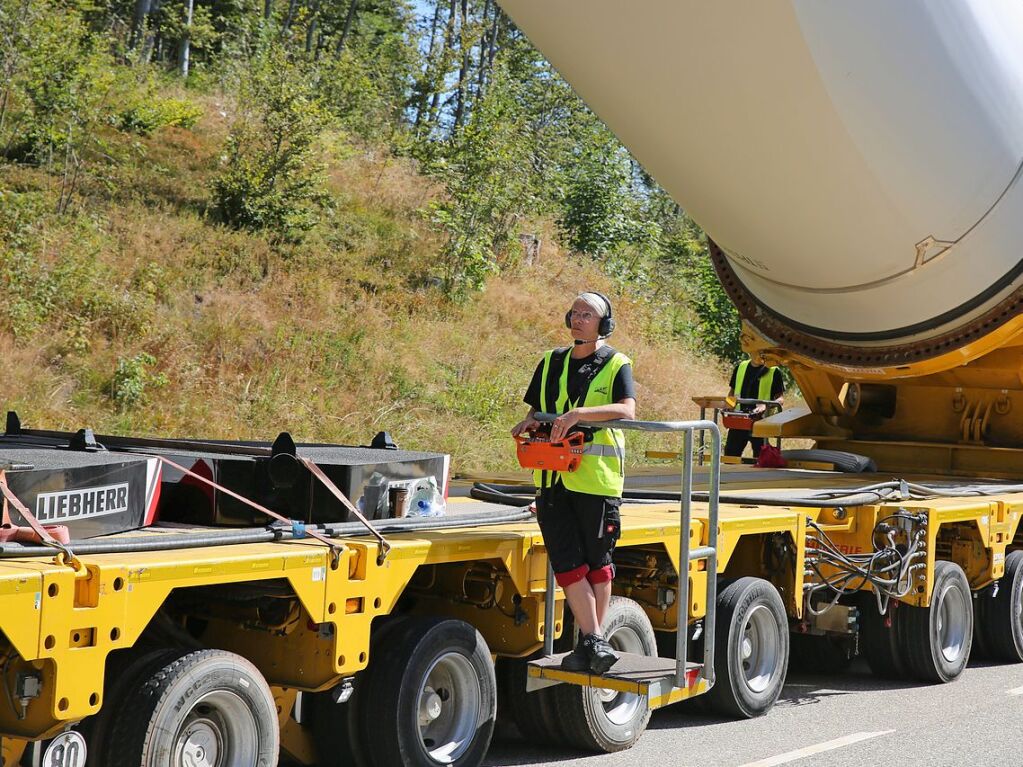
(858, 162)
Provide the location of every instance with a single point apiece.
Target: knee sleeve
(572, 576)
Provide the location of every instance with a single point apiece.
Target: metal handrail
(686, 554)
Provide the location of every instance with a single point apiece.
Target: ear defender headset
(607, 322)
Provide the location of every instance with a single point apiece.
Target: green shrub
(269, 175)
(718, 324)
(599, 214)
(154, 113)
(132, 380)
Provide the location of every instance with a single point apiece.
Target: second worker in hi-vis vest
(578, 511)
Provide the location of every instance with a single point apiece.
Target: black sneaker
(581, 657)
(602, 656)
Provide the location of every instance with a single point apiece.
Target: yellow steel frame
(62, 623)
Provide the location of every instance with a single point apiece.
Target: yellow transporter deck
(62, 624)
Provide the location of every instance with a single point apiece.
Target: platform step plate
(640, 674)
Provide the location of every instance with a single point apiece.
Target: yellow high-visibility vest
(602, 469)
(764, 384)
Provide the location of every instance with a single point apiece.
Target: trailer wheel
(434, 696)
(879, 639)
(936, 640)
(532, 713)
(751, 649)
(126, 670)
(341, 731)
(605, 720)
(999, 619)
(206, 708)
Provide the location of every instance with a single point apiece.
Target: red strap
(258, 507)
(336, 492)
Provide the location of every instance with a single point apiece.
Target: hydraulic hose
(207, 538)
(134, 544)
(512, 494)
(866, 495)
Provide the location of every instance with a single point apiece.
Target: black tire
(435, 665)
(879, 639)
(751, 649)
(998, 620)
(936, 640)
(532, 713)
(204, 699)
(849, 463)
(980, 649)
(605, 721)
(126, 670)
(814, 654)
(340, 730)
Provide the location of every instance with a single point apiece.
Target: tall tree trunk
(425, 81)
(349, 19)
(463, 69)
(492, 44)
(310, 30)
(481, 73)
(138, 22)
(186, 39)
(292, 7)
(268, 9)
(310, 34)
(449, 40)
(151, 40)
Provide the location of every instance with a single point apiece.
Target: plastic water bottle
(426, 500)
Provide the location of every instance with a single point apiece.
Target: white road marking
(1016, 691)
(819, 748)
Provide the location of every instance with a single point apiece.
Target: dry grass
(333, 339)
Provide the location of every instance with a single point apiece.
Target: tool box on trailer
(89, 493)
(373, 479)
(62, 475)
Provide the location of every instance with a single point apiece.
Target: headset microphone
(580, 342)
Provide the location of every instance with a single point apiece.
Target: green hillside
(303, 241)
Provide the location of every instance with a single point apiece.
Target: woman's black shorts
(578, 529)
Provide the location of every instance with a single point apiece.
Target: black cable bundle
(888, 568)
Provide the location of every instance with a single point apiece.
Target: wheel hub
(202, 744)
(747, 647)
(219, 731)
(621, 707)
(431, 706)
(951, 624)
(759, 649)
(450, 708)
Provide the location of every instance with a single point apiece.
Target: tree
(62, 77)
(599, 212)
(270, 177)
(485, 168)
(718, 325)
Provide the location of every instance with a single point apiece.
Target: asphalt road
(850, 720)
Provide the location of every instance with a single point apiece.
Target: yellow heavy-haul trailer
(405, 654)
